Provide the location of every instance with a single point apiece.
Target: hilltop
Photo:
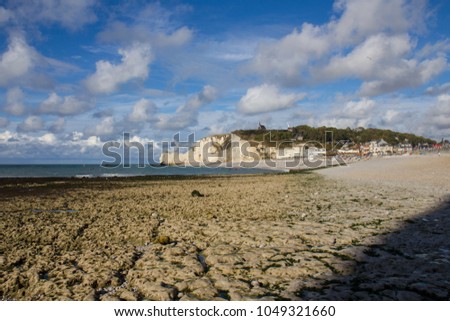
(358, 135)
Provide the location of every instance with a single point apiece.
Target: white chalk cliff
(228, 148)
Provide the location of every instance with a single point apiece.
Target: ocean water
(82, 171)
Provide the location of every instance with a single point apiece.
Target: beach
(373, 230)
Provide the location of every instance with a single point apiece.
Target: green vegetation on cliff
(309, 134)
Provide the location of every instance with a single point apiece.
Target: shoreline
(310, 235)
(270, 166)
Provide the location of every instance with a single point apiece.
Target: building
(349, 149)
(401, 149)
(380, 148)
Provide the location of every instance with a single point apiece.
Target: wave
(118, 175)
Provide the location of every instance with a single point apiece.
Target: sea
(90, 171)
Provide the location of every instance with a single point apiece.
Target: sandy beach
(373, 230)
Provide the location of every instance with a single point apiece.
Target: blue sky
(75, 74)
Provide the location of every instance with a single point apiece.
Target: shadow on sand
(411, 263)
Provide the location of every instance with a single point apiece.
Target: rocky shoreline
(304, 236)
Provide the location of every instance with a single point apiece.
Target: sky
(75, 74)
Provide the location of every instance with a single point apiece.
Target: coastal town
(247, 146)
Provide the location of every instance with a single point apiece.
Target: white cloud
(359, 108)
(57, 126)
(178, 38)
(438, 117)
(143, 111)
(76, 136)
(88, 144)
(16, 61)
(47, 139)
(283, 60)
(14, 102)
(31, 124)
(431, 49)
(152, 24)
(21, 145)
(68, 105)
(368, 40)
(134, 65)
(7, 135)
(3, 122)
(265, 98)
(366, 59)
(187, 114)
(390, 117)
(381, 62)
(121, 33)
(360, 19)
(438, 90)
(5, 15)
(353, 114)
(72, 14)
(104, 128)
(409, 74)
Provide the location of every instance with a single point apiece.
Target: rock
(196, 193)
(108, 297)
(430, 290)
(128, 296)
(255, 283)
(188, 297)
(407, 296)
(90, 296)
(162, 239)
(154, 291)
(203, 289)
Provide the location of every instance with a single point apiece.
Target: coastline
(320, 235)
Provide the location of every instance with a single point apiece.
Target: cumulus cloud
(360, 19)
(71, 14)
(359, 108)
(407, 74)
(284, 60)
(31, 124)
(121, 33)
(392, 117)
(380, 61)
(438, 116)
(177, 38)
(438, 90)
(57, 126)
(143, 111)
(265, 98)
(365, 60)
(153, 24)
(369, 41)
(134, 65)
(3, 122)
(47, 139)
(14, 102)
(16, 61)
(104, 128)
(24, 145)
(360, 113)
(5, 15)
(68, 105)
(187, 114)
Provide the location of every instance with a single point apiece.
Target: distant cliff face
(228, 148)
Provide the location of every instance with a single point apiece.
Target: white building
(380, 148)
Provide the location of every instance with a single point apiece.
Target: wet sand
(375, 230)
